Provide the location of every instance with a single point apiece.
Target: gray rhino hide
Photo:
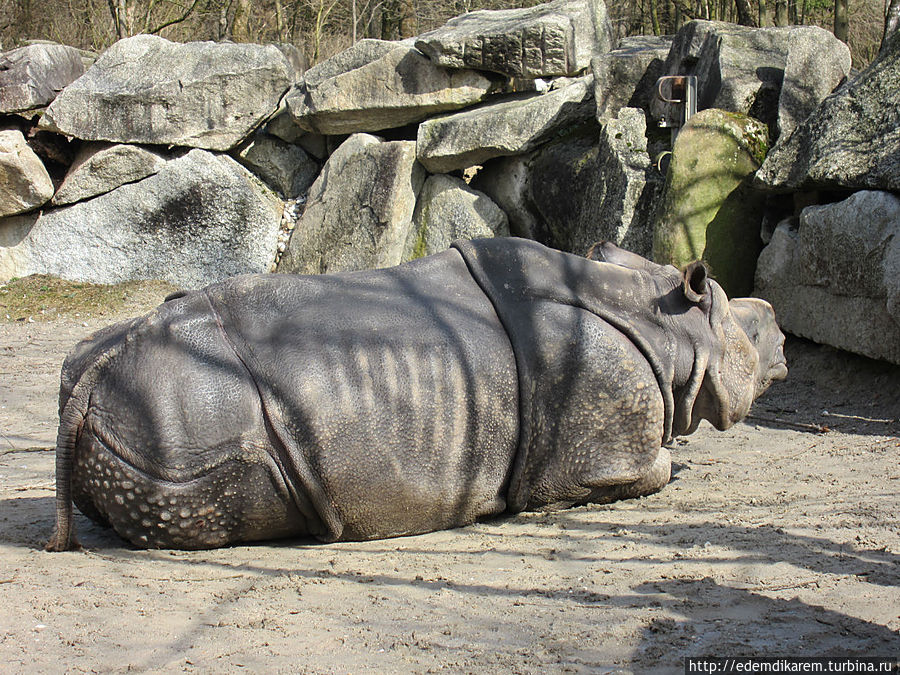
(496, 376)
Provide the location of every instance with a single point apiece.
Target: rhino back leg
(175, 449)
(237, 501)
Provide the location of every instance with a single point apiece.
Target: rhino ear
(696, 284)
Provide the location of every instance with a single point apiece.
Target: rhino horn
(606, 251)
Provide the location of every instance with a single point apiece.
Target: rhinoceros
(497, 376)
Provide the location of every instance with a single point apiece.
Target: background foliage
(324, 27)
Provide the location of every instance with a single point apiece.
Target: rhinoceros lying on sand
(494, 377)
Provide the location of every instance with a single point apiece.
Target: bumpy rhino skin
(494, 377)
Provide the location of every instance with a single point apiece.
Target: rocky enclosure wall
(193, 162)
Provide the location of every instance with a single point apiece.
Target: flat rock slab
(377, 85)
(447, 209)
(852, 140)
(548, 40)
(24, 182)
(201, 218)
(32, 76)
(101, 167)
(835, 277)
(626, 76)
(508, 127)
(360, 209)
(145, 89)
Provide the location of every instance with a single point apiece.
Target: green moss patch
(40, 297)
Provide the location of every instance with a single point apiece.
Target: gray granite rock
(447, 209)
(851, 140)
(835, 278)
(284, 167)
(626, 76)
(507, 182)
(817, 62)
(32, 76)
(145, 89)
(101, 167)
(742, 69)
(24, 182)
(201, 218)
(508, 127)
(575, 191)
(377, 85)
(586, 191)
(359, 212)
(550, 39)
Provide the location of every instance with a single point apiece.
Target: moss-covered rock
(447, 210)
(708, 210)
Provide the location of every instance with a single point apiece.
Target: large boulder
(145, 89)
(580, 189)
(507, 182)
(377, 85)
(359, 210)
(852, 140)
(32, 76)
(550, 39)
(24, 182)
(101, 167)
(284, 167)
(627, 75)
(201, 218)
(585, 191)
(509, 127)
(742, 69)
(816, 63)
(835, 277)
(447, 210)
(708, 211)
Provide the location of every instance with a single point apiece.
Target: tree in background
(891, 20)
(323, 27)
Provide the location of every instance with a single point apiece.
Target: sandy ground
(780, 537)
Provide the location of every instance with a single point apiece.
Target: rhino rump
(354, 407)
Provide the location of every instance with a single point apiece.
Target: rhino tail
(71, 421)
(72, 414)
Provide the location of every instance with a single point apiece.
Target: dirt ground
(780, 537)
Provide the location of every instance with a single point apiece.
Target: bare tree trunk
(891, 21)
(354, 21)
(744, 13)
(121, 19)
(764, 19)
(841, 20)
(781, 13)
(240, 22)
(222, 27)
(654, 17)
(279, 21)
(407, 19)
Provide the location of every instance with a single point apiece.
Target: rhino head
(744, 356)
(737, 345)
